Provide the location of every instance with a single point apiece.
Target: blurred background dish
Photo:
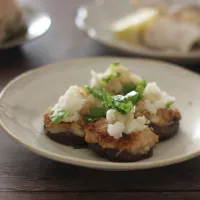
(170, 32)
(24, 24)
(11, 19)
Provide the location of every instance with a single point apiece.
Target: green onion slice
(57, 116)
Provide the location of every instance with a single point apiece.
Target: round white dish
(97, 17)
(24, 100)
(37, 24)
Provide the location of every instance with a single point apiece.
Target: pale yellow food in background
(161, 4)
(174, 28)
(131, 27)
(167, 34)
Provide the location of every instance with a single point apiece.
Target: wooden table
(24, 175)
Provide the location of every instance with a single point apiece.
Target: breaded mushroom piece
(160, 109)
(69, 133)
(64, 122)
(153, 103)
(128, 148)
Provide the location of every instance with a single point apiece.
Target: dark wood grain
(25, 175)
(100, 196)
(22, 170)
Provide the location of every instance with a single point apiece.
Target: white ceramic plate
(37, 23)
(97, 17)
(26, 98)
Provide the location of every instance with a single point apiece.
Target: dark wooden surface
(24, 175)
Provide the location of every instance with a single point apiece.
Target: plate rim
(151, 52)
(103, 165)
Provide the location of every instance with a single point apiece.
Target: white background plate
(26, 98)
(97, 17)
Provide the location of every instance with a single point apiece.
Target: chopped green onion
(97, 112)
(58, 116)
(125, 103)
(107, 100)
(139, 87)
(128, 87)
(143, 83)
(140, 90)
(123, 108)
(133, 97)
(115, 64)
(88, 118)
(94, 114)
(121, 103)
(105, 80)
(169, 104)
(96, 91)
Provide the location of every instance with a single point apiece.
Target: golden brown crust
(97, 133)
(165, 123)
(67, 133)
(162, 117)
(75, 128)
(168, 115)
(115, 155)
(48, 123)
